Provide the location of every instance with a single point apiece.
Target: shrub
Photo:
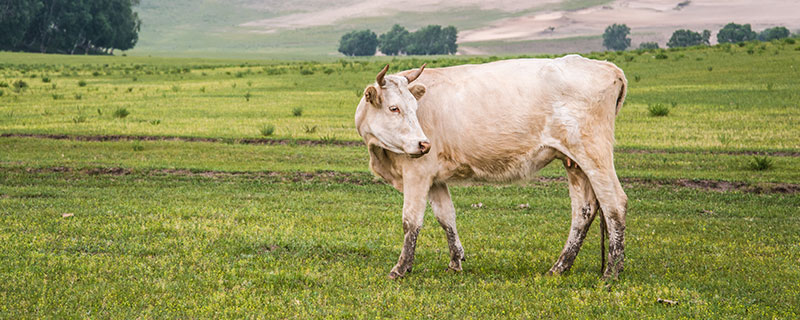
(298, 111)
(120, 113)
(687, 38)
(155, 122)
(661, 56)
(658, 110)
(82, 83)
(137, 146)
(78, 96)
(3, 84)
(760, 163)
(306, 72)
(247, 96)
(176, 88)
(45, 79)
(79, 119)
(789, 41)
(267, 130)
(648, 45)
(308, 129)
(274, 71)
(57, 96)
(328, 138)
(19, 85)
(1, 93)
(96, 73)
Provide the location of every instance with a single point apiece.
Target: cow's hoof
(394, 275)
(453, 270)
(553, 273)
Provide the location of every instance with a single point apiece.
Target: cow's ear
(371, 94)
(417, 90)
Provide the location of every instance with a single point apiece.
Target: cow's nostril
(424, 146)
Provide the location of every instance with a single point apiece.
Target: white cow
(500, 121)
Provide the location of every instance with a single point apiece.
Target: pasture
(137, 187)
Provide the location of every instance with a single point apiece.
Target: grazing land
(152, 188)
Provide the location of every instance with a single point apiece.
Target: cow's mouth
(417, 155)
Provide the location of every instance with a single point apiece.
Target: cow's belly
(501, 167)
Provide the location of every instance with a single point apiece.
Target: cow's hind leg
(415, 194)
(445, 213)
(584, 208)
(614, 204)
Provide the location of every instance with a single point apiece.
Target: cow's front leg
(415, 193)
(445, 213)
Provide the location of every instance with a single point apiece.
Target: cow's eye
(394, 109)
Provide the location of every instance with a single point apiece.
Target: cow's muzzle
(424, 148)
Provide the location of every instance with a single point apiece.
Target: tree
(733, 33)
(358, 43)
(773, 33)
(15, 17)
(433, 39)
(648, 45)
(688, 38)
(616, 37)
(93, 26)
(394, 41)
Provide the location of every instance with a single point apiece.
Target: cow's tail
(603, 230)
(623, 89)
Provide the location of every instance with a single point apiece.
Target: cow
(498, 122)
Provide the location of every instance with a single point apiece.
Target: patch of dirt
(733, 153)
(256, 141)
(721, 186)
(366, 178)
(101, 138)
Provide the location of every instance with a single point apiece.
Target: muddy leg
(584, 208)
(446, 215)
(614, 204)
(414, 202)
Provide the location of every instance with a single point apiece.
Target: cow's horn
(382, 82)
(414, 75)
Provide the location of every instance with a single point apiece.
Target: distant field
(726, 97)
(186, 208)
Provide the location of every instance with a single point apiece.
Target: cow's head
(387, 114)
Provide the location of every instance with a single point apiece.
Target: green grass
(40, 153)
(192, 247)
(292, 230)
(731, 101)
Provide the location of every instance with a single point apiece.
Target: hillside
(311, 28)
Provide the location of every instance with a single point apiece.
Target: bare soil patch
(340, 143)
(366, 178)
(178, 138)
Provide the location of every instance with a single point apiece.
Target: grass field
(213, 218)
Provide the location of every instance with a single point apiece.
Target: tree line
(616, 38)
(432, 39)
(72, 27)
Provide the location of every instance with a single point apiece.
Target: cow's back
(494, 117)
